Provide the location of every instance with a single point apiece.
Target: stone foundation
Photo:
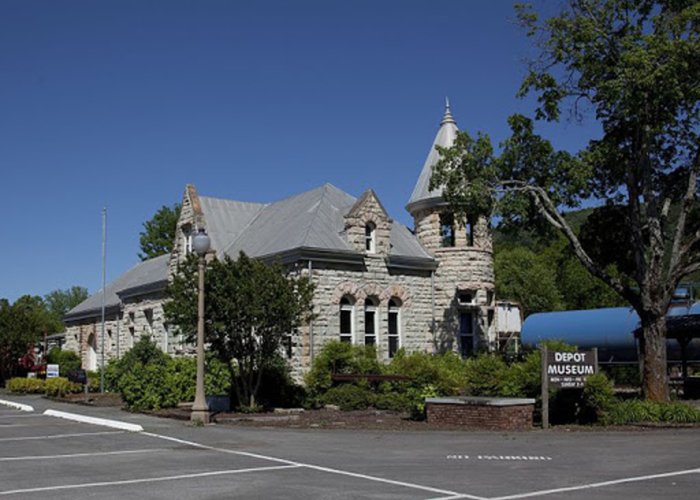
(476, 413)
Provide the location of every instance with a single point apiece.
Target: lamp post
(200, 410)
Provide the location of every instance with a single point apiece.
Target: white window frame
(348, 307)
(394, 307)
(372, 308)
(370, 237)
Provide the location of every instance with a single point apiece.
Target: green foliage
(141, 376)
(445, 372)
(59, 302)
(597, 398)
(643, 412)
(158, 235)
(22, 325)
(634, 67)
(60, 386)
(250, 308)
(484, 375)
(349, 397)
(22, 385)
(149, 379)
(527, 278)
(341, 358)
(66, 360)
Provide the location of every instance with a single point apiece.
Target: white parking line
(145, 480)
(80, 455)
(85, 419)
(597, 485)
(451, 494)
(60, 436)
(17, 406)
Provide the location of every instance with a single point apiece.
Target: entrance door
(91, 353)
(466, 334)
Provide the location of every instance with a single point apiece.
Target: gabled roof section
(227, 219)
(151, 274)
(422, 196)
(313, 219)
(364, 198)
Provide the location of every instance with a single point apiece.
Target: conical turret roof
(422, 197)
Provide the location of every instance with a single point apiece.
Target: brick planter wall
(503, 414)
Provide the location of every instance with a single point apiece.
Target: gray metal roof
(227, 219)
(144, 273)
(445, 137)
(312, 220)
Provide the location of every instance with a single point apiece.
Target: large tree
(22, 325)
(634, 65)
(158, 235)
(59, 302)
(250, 308)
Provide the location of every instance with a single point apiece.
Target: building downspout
(311, 322)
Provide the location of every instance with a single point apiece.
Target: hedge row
(56, 387)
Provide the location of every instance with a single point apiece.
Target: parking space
(171, 459)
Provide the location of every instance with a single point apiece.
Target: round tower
(463, 283)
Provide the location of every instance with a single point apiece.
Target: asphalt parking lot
(46, 456)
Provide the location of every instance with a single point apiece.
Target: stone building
(377, 282)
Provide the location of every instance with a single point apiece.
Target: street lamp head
(201, 242)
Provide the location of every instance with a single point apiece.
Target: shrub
(66, 360)
(277, 388)
(484, 375)
(445, 372)
(638, 412)
(597, 397)
(141, 377)
(21, 385)
(60, 386)
(182, 377)
(394, 401)
(339, 357)
(349, 397)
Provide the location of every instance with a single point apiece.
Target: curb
(17, 406)
(115, 424)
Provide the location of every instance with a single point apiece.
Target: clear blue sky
(122, 103)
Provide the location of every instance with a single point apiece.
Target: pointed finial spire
(447, 117)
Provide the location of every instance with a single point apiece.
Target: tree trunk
(653, 351)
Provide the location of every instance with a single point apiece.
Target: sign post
(565, 370)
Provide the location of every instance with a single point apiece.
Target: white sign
(51, 371)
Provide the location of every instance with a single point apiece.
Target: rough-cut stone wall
(368, 210)
(78, 335)
(462, 268)
(375, 280)
(190, 217)
(144, 317)
(137, 318)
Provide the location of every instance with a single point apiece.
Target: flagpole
(104, 291)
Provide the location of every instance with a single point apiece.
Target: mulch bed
(91, 399)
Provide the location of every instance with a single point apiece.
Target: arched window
(370, 238)
(370, 322)
(346, 319)
(394, 331)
